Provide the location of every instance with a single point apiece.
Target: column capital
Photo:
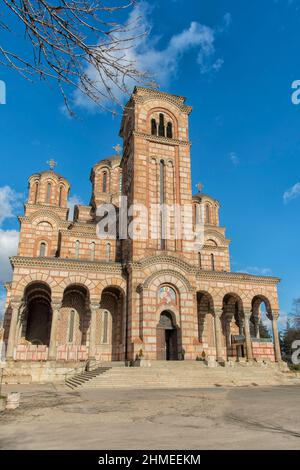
(218, 311)
(247, 313)
(56, 304)
(94, 306)
(275, 314)
(15, 304)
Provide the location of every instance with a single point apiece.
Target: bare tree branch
(70, 39)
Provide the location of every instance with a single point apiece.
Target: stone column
(256, 327)
(12, 330)
(228, 333)
(20, 322)
(92, 345)
(55, 315)
(275, 315)
(218, 332)
(247, 315)
(241, 325)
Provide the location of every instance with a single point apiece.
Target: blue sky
(235, 61)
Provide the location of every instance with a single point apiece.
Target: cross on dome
(52, 164)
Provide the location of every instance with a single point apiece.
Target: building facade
(75, 296)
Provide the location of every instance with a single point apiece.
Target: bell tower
(156, 171)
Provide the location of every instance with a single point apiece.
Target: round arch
(32, 278)
(170, 277)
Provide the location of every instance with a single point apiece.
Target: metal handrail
(82, 369)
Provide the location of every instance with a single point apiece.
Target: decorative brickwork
(75, 296)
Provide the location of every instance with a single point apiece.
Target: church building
(75, 296)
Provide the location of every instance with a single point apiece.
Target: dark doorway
(38, 322)
(167, 338)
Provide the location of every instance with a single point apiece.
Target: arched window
(108, 251)
(207, 214)
(105, 327)
(77, 249)
(48, 194)
(71, 326)
(199, 260)
(153, 127)
(104, 182)
(161, 127)
(169, 130)
(42, 249)
(36, 192)
(121, 182)
(212, 258)
(60, 201)
(162, 201)
(92, 251)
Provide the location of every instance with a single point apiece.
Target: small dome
(109, 160)
(205, 197)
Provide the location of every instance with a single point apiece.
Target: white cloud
(162, 63)
(291, 193)
(2, 302)
(234, 158)
(282, 320)
(72, 202)
(257, 271)
(227, 20)
(9, 240)
(10, 201)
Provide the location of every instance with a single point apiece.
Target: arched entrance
(110, 331)
(38, 314)
(75, 316)
(167, 338)
(233, 326)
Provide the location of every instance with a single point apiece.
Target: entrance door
(167, 347)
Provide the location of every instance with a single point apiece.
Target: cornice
(214, 248)
(161, 140)
(113, 267)
(38, 207)
(163, 259)
(149, 94)
(66, 264)
(237, 277)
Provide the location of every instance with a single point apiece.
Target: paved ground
(239, 418)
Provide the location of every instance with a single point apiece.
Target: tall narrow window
(105, 327)
(169, 130)
(121, 182)
(108, 251)
(207, 214)
(212, 257)
(162, 201)
(104, 182)
(153, 127)
(77, 249)
(42, 249)
(36, 192)
(92, 251)
(161, 127)
(71, 326)
(60, 202)
(48, 195)
(199, 260)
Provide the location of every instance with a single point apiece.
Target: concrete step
(81, 379)
(181, 374)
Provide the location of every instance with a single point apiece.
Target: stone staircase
(183, 374)
(84, 378)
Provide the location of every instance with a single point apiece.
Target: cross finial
(52, 164)
(154, 85)
(200, 187)
(118, 149)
